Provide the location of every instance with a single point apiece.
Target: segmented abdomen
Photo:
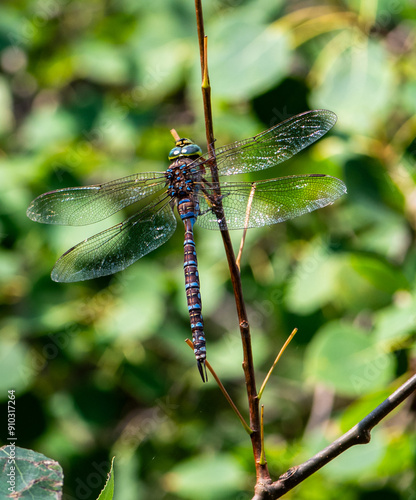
(193, 295)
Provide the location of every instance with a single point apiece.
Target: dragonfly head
(184, 147)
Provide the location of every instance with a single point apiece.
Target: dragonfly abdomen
(192, 287)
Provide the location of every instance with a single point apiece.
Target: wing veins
(117, 247)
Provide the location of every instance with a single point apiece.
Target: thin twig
(262, 455)
(224, 391)
(282, 350)
(243, 238)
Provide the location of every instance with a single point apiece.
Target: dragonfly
(190, 185)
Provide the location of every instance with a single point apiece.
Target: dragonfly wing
(275, 145)
(262, 203)
(85, 205)
(118, 247)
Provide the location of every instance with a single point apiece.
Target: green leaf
(6, 115)
(315, 280)
(107, 492)
(221, 477)
(162, 52)
(47, 127)
(28, 474)
(396, 323)
(360, 408)
(379, 274)
(346, 359)
(399, 456)
(358, 461)
(140, 312)
(408, 96)
(357, 81)
(101, 62)
(385, 233)
(351, 281)
(17, 367)
(246, 58)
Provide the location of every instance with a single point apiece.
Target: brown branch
(359, 434)
(206, 88)
(262, 472)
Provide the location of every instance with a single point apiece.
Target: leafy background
(88, 93)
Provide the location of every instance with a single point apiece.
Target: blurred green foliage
(88, 93)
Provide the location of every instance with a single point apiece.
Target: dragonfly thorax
(181, 176)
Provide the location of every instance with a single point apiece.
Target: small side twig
(282, 350)
(224, 391)
(246, 222)
(262, 455)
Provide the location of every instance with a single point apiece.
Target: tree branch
(359, 434)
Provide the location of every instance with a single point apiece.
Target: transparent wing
(85, 205)
(262, 203)
(275, 145)
(118, 247)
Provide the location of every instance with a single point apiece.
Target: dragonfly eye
(174, 153)
(191, 149)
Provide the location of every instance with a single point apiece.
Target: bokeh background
(88, 93)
